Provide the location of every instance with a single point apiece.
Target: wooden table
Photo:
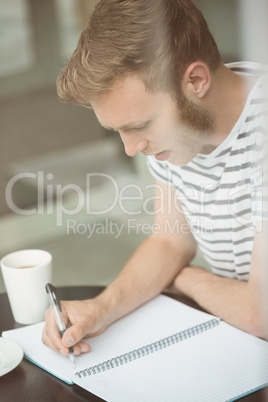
(29, 383)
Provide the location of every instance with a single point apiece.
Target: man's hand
(86, 318)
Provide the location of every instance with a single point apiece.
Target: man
(151, 71)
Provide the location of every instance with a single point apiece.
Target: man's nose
(133, 143)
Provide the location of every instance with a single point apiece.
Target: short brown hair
(155, 39)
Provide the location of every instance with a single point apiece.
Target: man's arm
(240, 303)
(152, 267)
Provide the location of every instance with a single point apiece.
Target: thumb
(73, 335)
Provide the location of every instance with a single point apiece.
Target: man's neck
(229, 93)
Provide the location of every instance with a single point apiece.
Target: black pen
(56, 308)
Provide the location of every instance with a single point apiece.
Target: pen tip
(72, 358)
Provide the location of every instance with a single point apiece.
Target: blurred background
(48, 148)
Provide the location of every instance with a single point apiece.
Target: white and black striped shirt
(223, 194)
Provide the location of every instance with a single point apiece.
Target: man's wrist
(181, 281)
(188, 279)
(109, 304)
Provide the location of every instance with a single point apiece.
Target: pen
(56, 308)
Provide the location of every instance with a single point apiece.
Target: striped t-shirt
(222, 193)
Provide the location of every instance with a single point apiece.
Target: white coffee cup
(25, 274)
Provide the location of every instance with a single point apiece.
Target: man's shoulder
(248, 68)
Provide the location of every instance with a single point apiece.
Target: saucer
(11, 355)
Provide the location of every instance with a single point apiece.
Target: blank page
(217, 365)
(153, 321)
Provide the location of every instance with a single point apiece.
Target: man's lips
(162, 156)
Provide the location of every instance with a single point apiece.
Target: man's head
(155, 40)
(152, 123)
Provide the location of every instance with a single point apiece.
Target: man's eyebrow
(129, 126)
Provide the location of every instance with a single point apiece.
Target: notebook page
(155, 320)
(217, 365)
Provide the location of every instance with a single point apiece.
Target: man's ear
(196, 80)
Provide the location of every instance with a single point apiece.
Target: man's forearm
(235, 301)
(153, 266)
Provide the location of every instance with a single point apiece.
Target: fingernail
(62, 352)
(69, 341)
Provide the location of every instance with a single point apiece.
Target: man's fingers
(51, 336)
(81, 347)
(72, 337)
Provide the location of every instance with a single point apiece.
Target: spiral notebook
(163, 351)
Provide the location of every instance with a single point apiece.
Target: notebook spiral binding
(148, 349)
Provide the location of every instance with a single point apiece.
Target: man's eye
(142, 127)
